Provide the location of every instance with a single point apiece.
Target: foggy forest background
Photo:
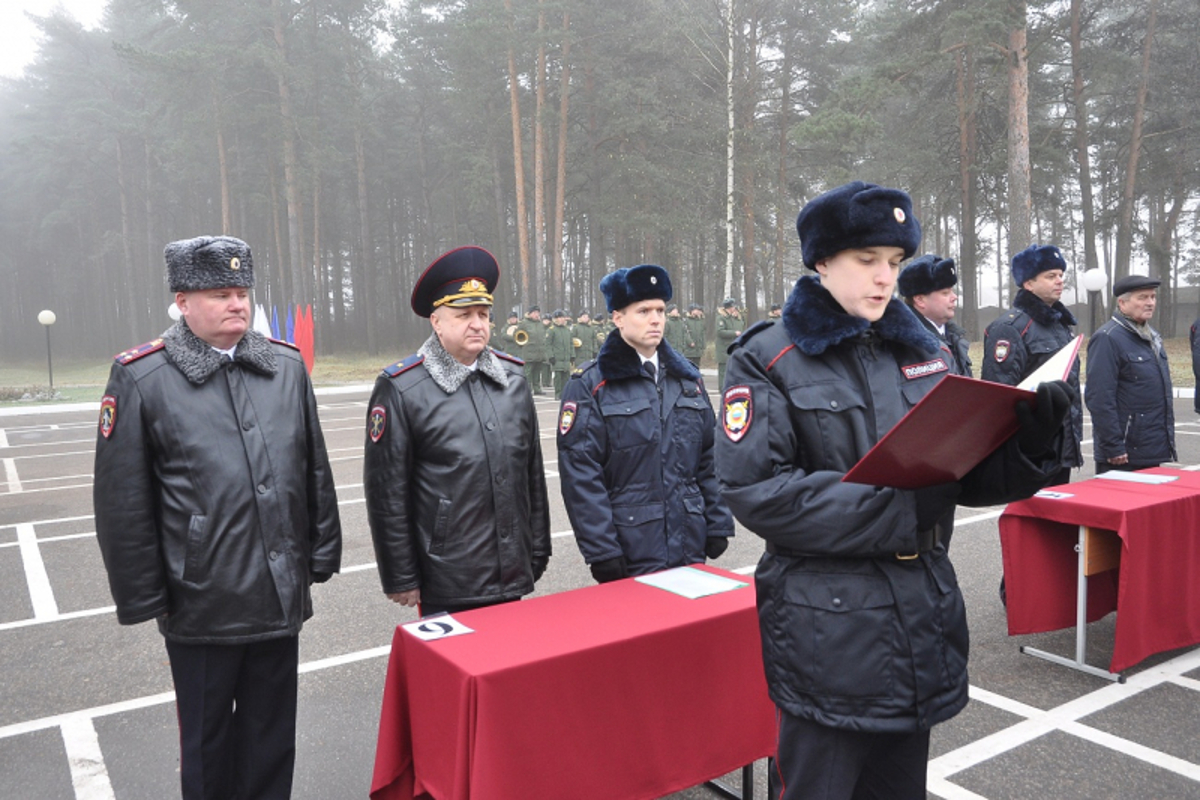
(352, 141)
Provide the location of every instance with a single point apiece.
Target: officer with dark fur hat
(864, 632)
(215, 512)
(927, 286)
(635, 443)
(442, 425)
(1036, 327)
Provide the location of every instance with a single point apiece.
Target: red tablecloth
(614, 691)
(1156, 590)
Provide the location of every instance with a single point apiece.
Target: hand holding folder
(957, 425)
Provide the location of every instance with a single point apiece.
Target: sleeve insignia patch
(738, 412)
(566, 418)
(108, 415)
(1001, 351)
(376, 423)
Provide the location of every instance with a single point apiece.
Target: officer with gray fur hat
(215, 513)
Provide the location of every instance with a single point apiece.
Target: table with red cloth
(620, 690)
(1156, 589)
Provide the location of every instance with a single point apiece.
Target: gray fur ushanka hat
(209, 262)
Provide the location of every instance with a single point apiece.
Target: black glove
(1039, 425)
(933, 502)
(714, 546)
(552, 361)
(321, 577)
(612, 569)
(539, 566)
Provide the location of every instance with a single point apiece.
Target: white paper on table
(437, 627)
(1136, 477)
(1057, 368)
(690, 582)
(1052, 495)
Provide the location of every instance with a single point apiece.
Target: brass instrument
(510, 330)
(601, 336)
(521, 338)
(576, 342)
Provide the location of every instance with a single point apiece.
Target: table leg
(1081, 595)
(747, 792)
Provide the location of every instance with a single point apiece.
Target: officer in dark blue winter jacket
(1129, 383)
(635, 443)
(864, 632)
(1027, 335)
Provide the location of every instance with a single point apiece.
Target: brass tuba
(576, 342)
(521, 338)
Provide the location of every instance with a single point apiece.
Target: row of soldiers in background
(552, 347)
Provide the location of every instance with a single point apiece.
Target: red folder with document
(954, 427)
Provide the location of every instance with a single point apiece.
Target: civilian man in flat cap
(215, 512)
(635, 443)
(453, 477)
(927, 286)
(1129, 383)
(864, 632)
(1036, 327)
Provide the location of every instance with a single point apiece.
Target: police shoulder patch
(134, 353)
(1000, 352)
(401, 367)
(566, 418)
(737, 412)
(508, 357)
(108, 415)
(376, 423)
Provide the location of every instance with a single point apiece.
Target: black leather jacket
(214, 499)
(852, 636)
(453, 476)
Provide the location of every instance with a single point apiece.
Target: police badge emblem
(566, 418)
(376, 422)
(108, 415)
(738, 412)
(1001, 351)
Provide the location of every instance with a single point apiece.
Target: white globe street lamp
(48, 318)
(1094, 280)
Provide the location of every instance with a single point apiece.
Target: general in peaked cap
(209, 262)
(926, 275)
(465, 276)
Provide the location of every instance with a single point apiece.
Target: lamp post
(1094, 280)
(47, 318)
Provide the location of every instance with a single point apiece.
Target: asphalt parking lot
(88, 712)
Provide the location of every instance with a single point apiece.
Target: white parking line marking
(89, 775)
(40, 592)
(11, 477)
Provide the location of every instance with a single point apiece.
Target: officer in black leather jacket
(215, 511)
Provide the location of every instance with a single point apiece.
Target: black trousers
(816, 762)
(237, 718)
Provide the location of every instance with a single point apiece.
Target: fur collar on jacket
(815, 321)
(1031, 304)
(449, 374)
(198, 362)
(618, 359)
